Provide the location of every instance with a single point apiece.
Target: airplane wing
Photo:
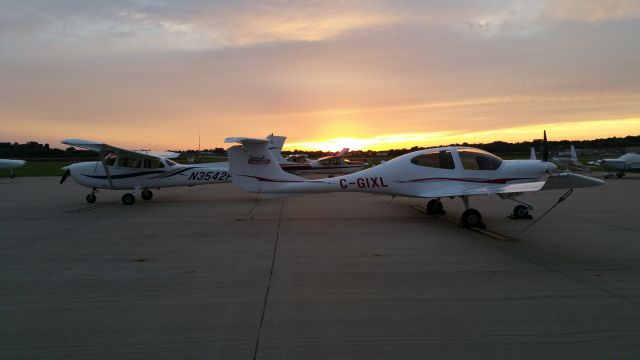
(570, 181)
(160, 154)
(483, 189)
(553, 182)
(245, 140)
(103, 148)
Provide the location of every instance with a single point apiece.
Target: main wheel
(520, 211)
(620, 174)
(128, 199)
(434, 207)
(12, 175)
(146, 194)
(91, 198)
(471, 218)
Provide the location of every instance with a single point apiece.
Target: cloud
(142, 25)
(591, 11)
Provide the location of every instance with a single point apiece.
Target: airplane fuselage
(93, 175)
(404, 176)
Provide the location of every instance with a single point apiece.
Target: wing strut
(103, 154)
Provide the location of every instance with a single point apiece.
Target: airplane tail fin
(532, 156)
(343, 152)
(254, 168)
(275, 146)
(574, 155)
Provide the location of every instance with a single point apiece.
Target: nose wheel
(521, 212)
(91, 197)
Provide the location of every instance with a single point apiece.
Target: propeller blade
(65, 176)
(545, 148)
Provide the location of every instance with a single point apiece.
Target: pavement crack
(266, 294)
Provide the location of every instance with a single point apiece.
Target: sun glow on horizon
(581, 130)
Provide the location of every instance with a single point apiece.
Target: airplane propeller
(545, 147)
(65, 176)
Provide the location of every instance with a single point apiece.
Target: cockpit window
(129, 162)
(170, 162)
(437, 159)
(474, 159)
(152, 164)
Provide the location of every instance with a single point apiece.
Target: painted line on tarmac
(89, 208)
(485, 232)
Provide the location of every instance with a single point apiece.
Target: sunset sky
(327, 74)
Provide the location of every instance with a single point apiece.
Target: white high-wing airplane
(432, 173)
(336, 164)
(121, 169)
(629, 162)
(7, 164)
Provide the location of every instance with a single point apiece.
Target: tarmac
(211, 272)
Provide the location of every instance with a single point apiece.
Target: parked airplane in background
(432, 173)
(570, 162)
(120, 169)
(336, 164)
(7, 164)
(629, 162)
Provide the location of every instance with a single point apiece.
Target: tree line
(34, 149)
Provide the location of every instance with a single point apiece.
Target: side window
(326, 162)
(439, 159)
(129, 162)
(152, 164)
(473, 159)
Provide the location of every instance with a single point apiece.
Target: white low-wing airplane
(432, 173)
(7, 164)
(629, 162)
(121, 169)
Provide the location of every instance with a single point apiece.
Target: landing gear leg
(91, 198)
(11, 174)
(146, 194)
(434, 207)
(471, 217)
